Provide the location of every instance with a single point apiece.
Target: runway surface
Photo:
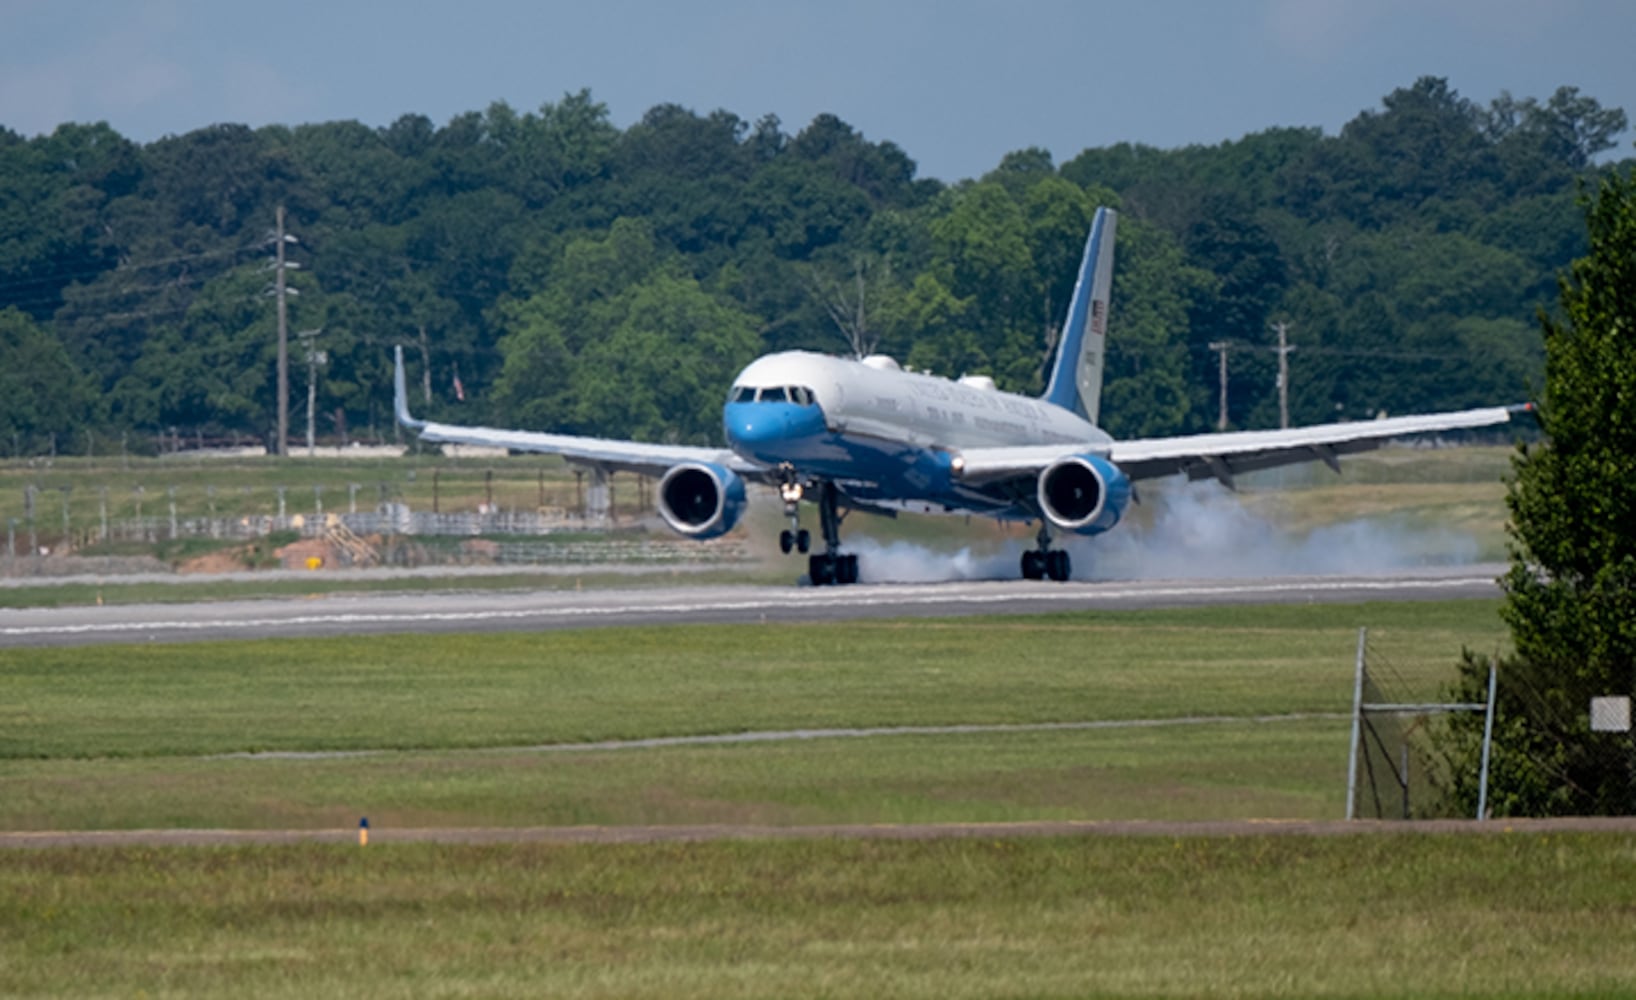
(373, 614)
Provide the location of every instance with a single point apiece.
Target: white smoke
(907, 562)
(1203, 531)
(1196, 531)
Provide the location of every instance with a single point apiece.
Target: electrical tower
(1221, 347)
(1283, 349)
(281, 292)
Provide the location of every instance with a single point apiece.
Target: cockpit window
(800, 395)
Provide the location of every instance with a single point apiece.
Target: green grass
(194, 589)
(119, 738)
(113, 736)
(1403, 915)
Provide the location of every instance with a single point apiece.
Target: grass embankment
(116, 737)
(1392, 915)
(119, 737)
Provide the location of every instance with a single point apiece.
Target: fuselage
(889, 435)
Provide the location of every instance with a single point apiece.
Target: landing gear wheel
(803, 541)
(1033, 565)
(827, 569)
(1057, 565)
(786, 541)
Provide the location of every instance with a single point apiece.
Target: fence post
(1488, 741)
(1357, 723)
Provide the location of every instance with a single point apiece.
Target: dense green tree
(1570, 594)
(42, 394)
(1406, 250)
(1146, 392)
(623, 342)
(54, 192)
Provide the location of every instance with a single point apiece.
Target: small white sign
(1610, 714)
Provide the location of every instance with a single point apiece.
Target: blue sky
(956, 83)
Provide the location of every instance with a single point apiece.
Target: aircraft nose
(752, 424)
(749, 425)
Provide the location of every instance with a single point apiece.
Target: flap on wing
(605, 453)
(1220, 456)
(621, 456)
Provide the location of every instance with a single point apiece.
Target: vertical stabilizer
(1076, 379)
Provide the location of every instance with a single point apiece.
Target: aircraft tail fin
(1076, 378)
(400, 392)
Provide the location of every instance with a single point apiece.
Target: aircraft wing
(1222, 456)
(603, 453)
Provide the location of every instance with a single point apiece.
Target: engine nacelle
(1085, 494)
(701, 499)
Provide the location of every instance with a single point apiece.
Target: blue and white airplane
(865, 435)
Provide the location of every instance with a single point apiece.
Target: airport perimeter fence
(395, 534)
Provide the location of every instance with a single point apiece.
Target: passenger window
(773, 395)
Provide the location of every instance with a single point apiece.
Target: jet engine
(701, 499)
(1085, 494)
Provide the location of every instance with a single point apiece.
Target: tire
(786, 541)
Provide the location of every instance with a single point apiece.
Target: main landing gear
(1043, 562)
(827, 567)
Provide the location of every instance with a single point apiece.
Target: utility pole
(1220, 347)
(315, 357)
(1283, 348)
(282, 291)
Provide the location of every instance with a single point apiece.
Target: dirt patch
(223, 561)
(308, 553)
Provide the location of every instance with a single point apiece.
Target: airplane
(866, 435)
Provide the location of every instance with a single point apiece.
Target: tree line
(546, 269)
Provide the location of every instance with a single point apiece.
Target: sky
(956, 84)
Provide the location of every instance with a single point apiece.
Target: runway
(379, 614)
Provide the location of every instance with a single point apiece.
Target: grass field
(130, 737)
(123, 737)
(1388, 915)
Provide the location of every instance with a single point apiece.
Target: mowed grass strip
(120, 738)
(1386, 915)
(519, 689)
(1219, 770)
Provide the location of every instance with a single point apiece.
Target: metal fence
(513, 537)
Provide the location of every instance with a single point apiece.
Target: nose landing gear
(829, 566)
